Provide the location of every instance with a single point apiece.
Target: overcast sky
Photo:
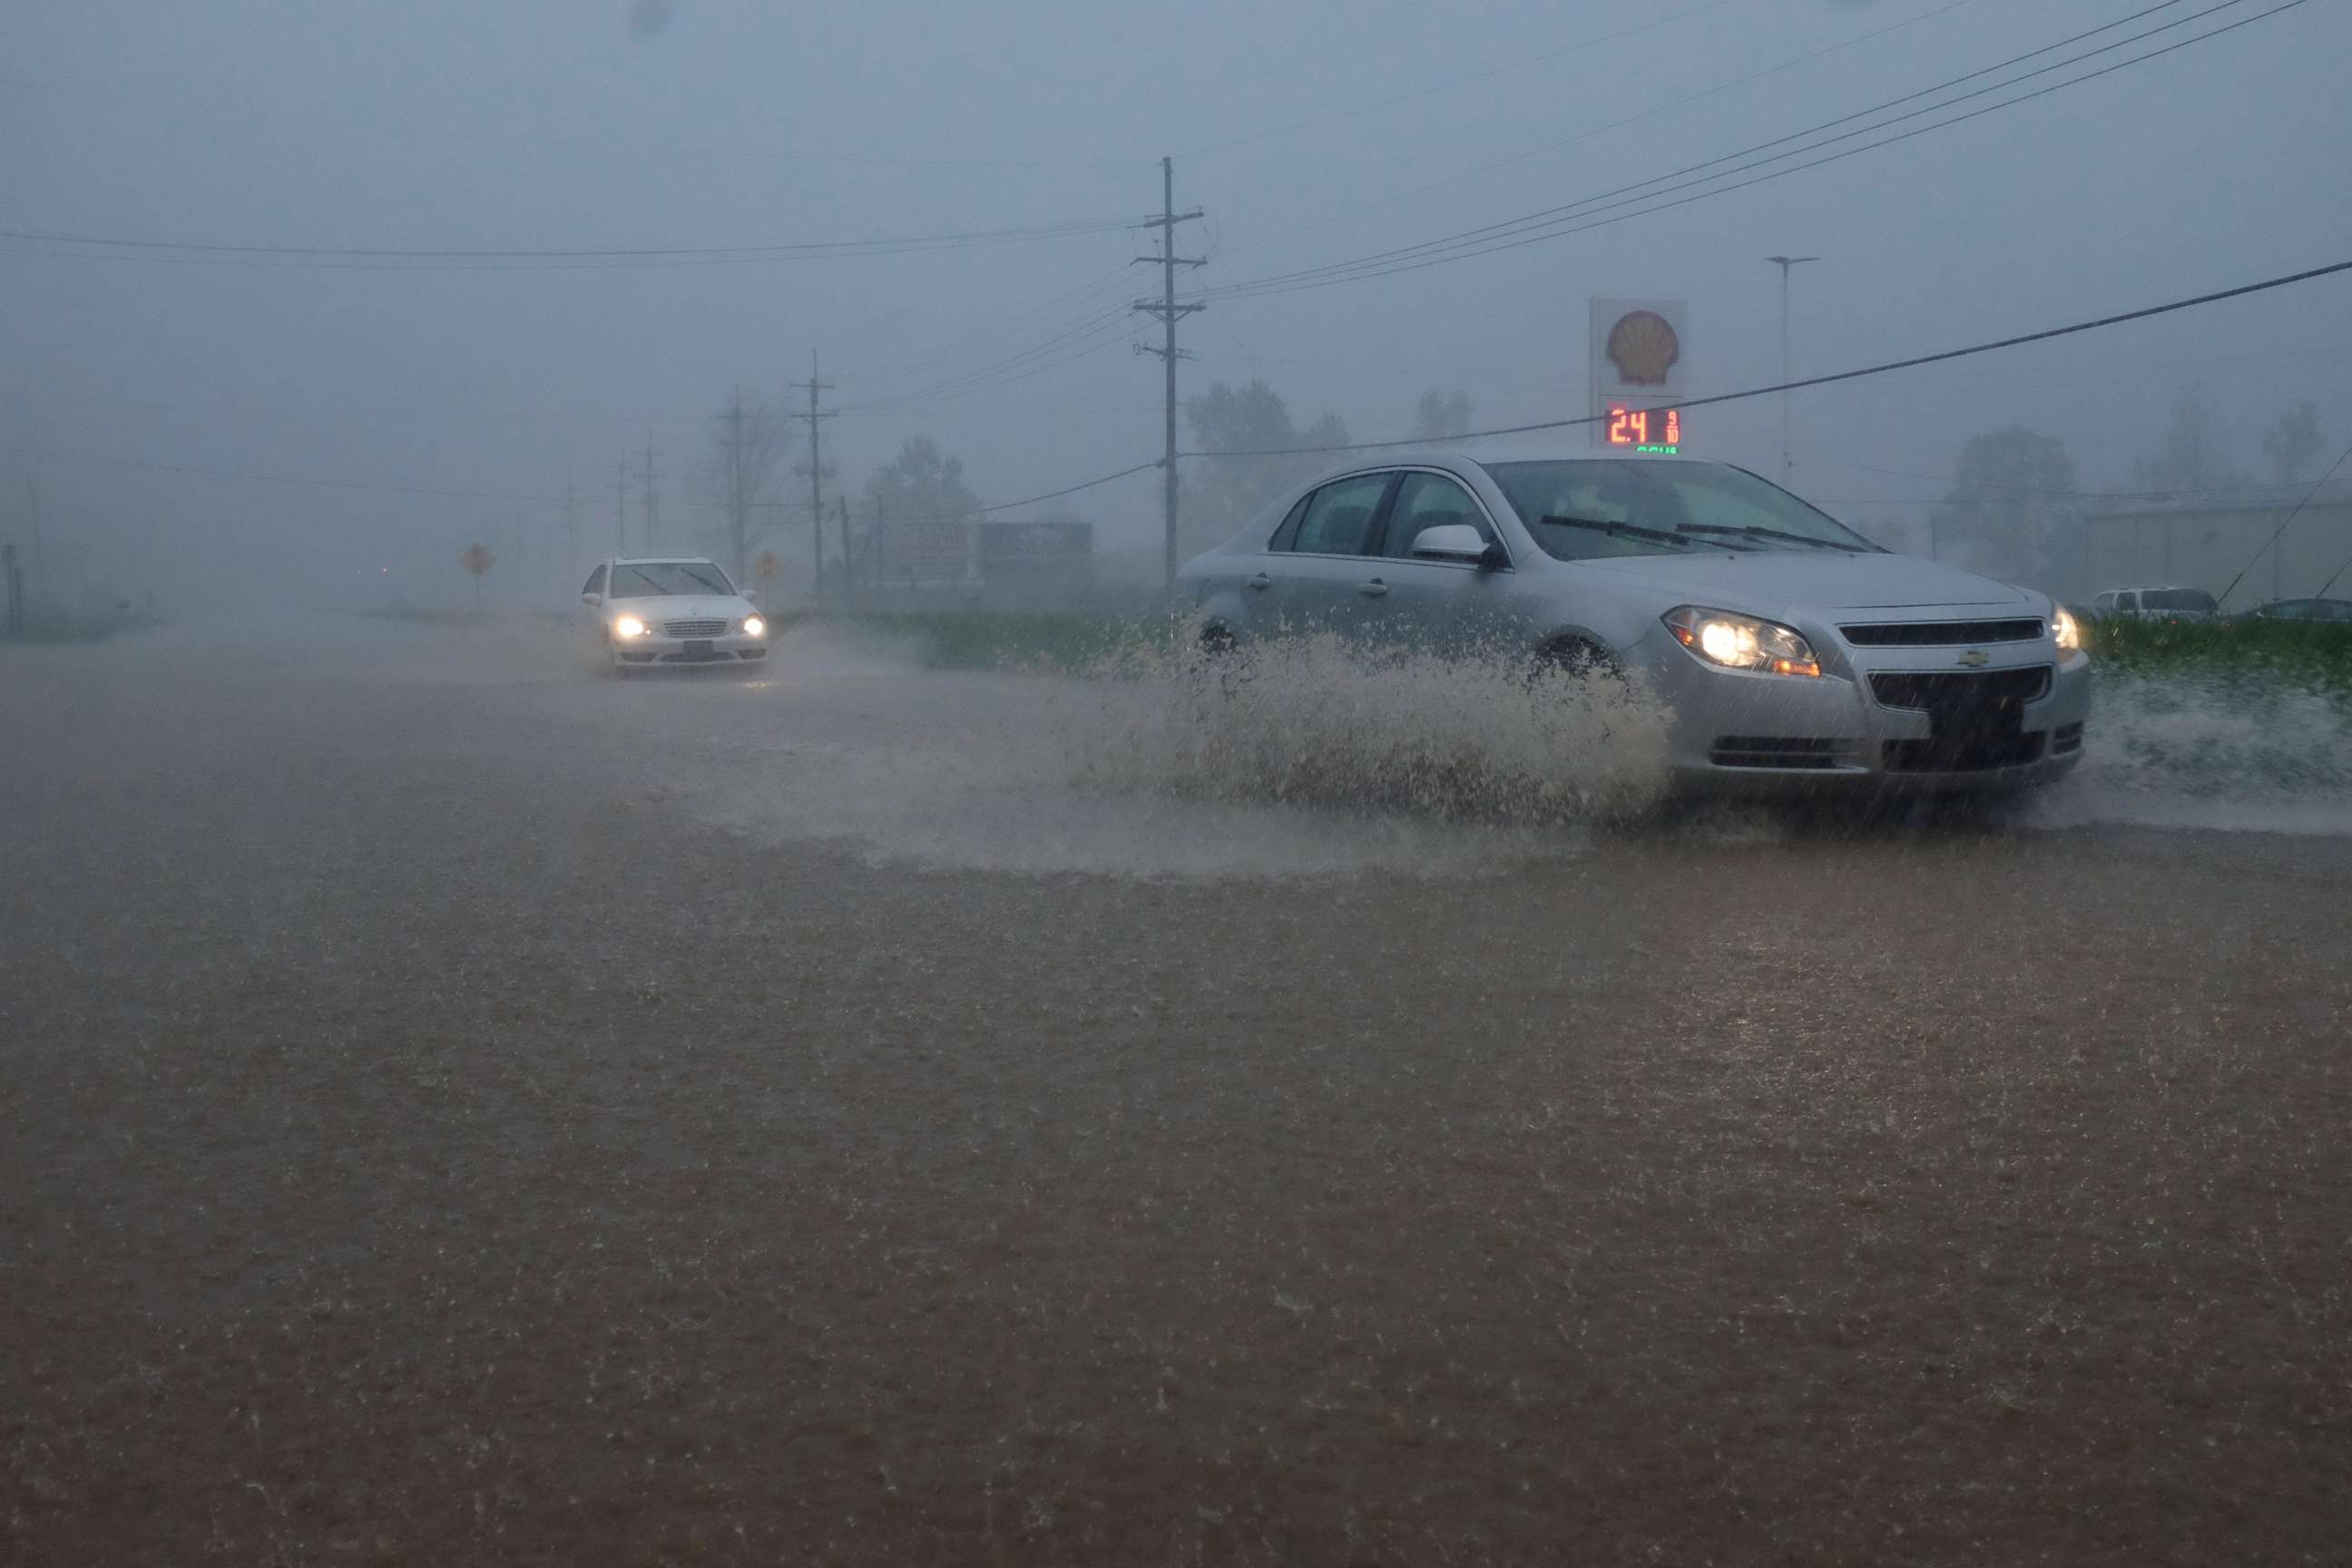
(1311, 131)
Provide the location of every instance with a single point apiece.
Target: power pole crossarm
(1169, 313)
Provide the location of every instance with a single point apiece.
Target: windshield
(2188, 600)
(1665, 508)
(656, 579)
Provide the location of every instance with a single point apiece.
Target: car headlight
(628, 626)
(2064, 628)
(754, 627)
(1742, 642)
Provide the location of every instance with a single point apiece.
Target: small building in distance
(2204, 542)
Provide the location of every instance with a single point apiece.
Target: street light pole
(1787, 464)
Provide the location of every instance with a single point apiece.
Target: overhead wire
(2071, 329)
(1559, 222)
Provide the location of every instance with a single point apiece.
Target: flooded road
(458, 1110)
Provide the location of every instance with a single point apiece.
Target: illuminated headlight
(754, 627)
(2064, 628)
(628, 626)
(1742, 642)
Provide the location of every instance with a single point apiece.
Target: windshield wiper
(1603, 525)
(1752, 532)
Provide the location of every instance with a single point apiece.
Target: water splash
(2212, 752)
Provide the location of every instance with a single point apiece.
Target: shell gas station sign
(1640, 374)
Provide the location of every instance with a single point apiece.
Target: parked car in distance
(1791, 654)
(2338, 610)
(2155, 604)
(641, 613)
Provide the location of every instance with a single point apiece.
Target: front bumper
(2016, 721)
(654, 648)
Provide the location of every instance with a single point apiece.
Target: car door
(1326, 576)
(1445, 606)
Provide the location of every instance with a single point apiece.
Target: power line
(1028, 500)
(1523, 63)
(1619, 124)
(461, 259)
(100, 461)
(1505, 227)
(1555, 223)
(2093, 325)
(2271, 543)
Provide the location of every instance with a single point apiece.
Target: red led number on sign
(1634, 426)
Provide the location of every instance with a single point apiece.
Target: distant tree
(2192, 453)
(748, 442)
(2012, 510)
(1443, 413)
(920, 482)
(2291, 442)
(1224, 492)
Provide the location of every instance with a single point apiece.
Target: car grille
(1772, 751)
(1942, 634)
(694, 628)
(1976, 722)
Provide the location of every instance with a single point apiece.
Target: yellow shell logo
(1643, 346)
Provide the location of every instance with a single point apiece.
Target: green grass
(2283, 653)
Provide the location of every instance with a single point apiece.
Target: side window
(1289, 529)
(1424, 502)
(1339, 520)
(596, 582)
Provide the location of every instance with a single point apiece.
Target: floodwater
(461, 1109)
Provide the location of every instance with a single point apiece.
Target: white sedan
(672, 611)
(1791, 652)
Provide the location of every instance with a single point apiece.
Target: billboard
(1034, 552)
(932, 551)
(1640, 371)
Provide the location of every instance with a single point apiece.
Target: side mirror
(1454, 541)
(592, 599)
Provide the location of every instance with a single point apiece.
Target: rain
(1264, 784)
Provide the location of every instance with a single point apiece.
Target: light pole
(1787, 464)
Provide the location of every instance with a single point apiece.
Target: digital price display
(1658, 430)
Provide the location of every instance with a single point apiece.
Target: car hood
(684, 607)
(1765, 582)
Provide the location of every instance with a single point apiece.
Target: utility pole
(621, 507)
(653, 497)
(737, 522)
(40, 551)
(849, 575)
(1170, 312)
(571, 530)
(1787, 464)
(814, 467)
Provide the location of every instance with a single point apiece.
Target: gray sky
(1311, 132)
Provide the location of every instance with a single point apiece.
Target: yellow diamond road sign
(767, 566)
(477, 559)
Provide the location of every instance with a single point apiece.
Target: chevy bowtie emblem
(1976, 658)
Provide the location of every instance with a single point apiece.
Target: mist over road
(460, 1110)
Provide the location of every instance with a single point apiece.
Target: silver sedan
(1791, 652)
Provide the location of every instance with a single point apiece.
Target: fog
(155, 405)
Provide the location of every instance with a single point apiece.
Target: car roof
(1438, 455)
(662, 560)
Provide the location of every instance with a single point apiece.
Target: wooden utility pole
(1170, 312)
(571, 529)
(848, 575)
(735, 496)
(653, 497)
(814, 467)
